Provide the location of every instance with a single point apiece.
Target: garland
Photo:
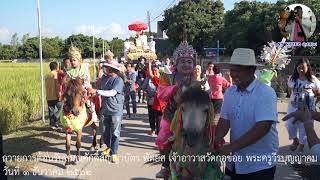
(212, 170)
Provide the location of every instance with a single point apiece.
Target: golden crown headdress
(108, 55)
(184, 50)
(74, 53)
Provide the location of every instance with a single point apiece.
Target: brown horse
(75, 115)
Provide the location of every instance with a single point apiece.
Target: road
(136, 146)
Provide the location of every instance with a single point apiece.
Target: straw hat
(242, 57)
(113, 64)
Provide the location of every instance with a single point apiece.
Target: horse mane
(73, 94)
(74, 86)
(195, 95)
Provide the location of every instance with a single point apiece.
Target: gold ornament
(109, 55)
(74, 53)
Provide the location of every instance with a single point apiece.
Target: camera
(292, 15)
(302, 100)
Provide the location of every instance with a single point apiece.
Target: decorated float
(140, 46)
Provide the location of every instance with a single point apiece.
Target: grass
(28, 141)
(20, 100)
(20, 106)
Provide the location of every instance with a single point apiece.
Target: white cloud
(5, 34)
(107, 32)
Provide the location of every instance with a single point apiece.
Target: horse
(193, 128)
(75, 116)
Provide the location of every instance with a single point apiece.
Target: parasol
(138, 26)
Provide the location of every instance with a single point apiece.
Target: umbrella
(138, 26)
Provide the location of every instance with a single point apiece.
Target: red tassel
(69, 130)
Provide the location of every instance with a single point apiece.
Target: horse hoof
(67, 164)
(100, 142)
(76, 161)
(93, 148)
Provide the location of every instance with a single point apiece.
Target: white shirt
(244, 109)
(127, 45)
(303, 86)
(152, 46)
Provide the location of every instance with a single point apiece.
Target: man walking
(111, 92)
(249, 111)
(130, 91)
(53, 95)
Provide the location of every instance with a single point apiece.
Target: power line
(169, 6)
(163, 4)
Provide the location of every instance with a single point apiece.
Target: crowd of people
(246, 106)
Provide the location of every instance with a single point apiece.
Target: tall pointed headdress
(108, 55)
(74, 53)
(184, 50)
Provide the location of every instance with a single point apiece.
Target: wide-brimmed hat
(113, 64)
(242, 57)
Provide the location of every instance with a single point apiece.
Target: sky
(103, 18)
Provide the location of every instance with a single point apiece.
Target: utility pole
(94, 59)
(214, 52)
(149, 22)
(102, 48)
(218, 43)
(40, 55)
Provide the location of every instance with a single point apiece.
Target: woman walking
(303, 90)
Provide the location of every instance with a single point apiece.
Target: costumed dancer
(169, 91)
(79, 70)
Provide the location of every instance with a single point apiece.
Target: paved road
(135, 147)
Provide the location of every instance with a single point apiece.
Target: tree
(251, 25)
(116, 46)
(203, 20)
(24, 38)
(52, 47)
(30, 49)
(154, 34)
(8, 52)
(84, 43)
(99, 46)
(15, 40)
